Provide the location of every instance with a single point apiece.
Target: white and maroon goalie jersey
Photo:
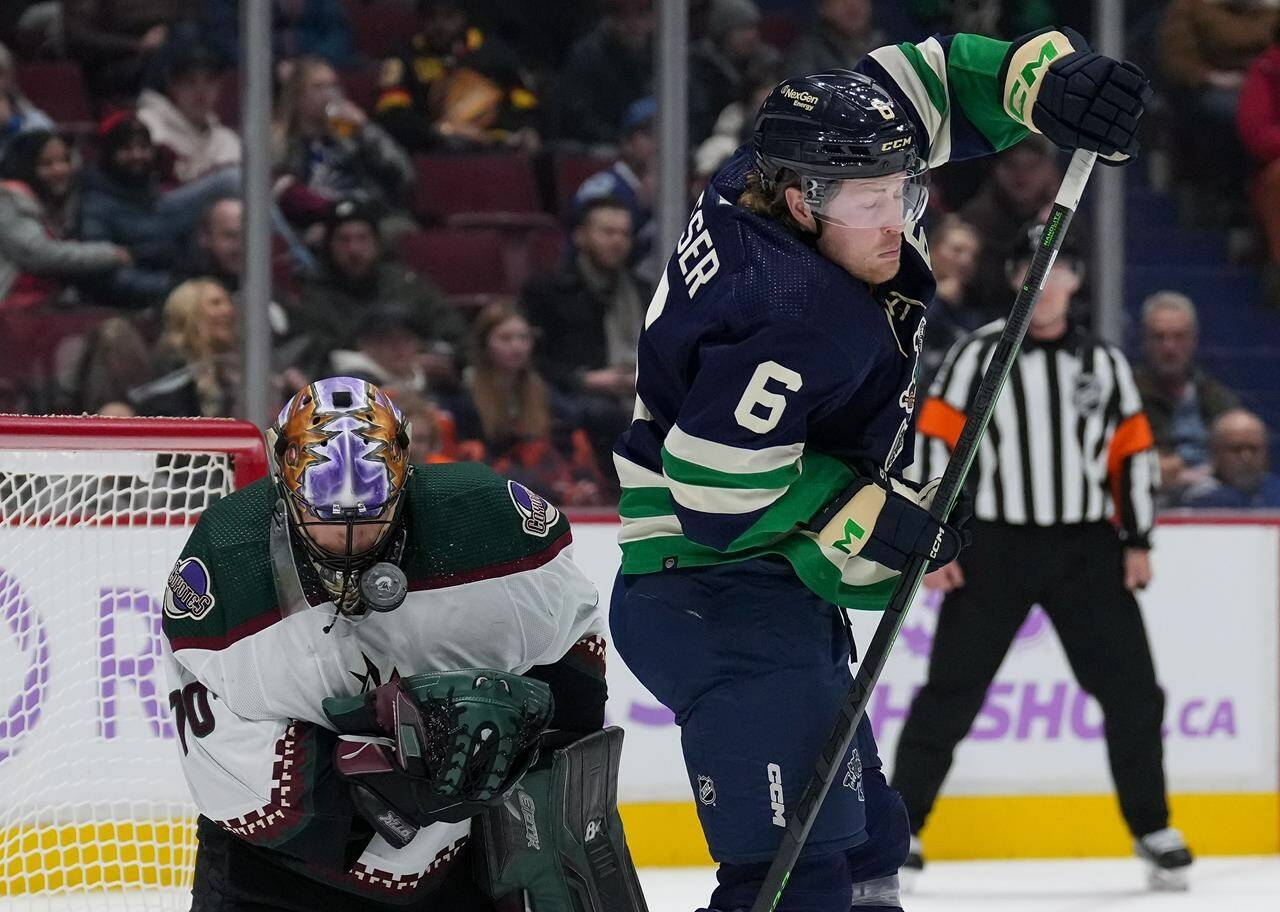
(491, 585)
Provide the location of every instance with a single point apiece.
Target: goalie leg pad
(559, 838)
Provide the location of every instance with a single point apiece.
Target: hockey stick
(855, 702)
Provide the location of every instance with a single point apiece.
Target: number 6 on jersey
(757, 395)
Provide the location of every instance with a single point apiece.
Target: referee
(1063, 512)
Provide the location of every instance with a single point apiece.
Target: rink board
(1032, 778)
(1030, 781)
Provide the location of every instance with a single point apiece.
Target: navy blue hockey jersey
(766, 372)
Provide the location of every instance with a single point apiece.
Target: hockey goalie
(388, 683)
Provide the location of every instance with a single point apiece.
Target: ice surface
(1115, 885)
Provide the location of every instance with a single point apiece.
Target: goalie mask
(340, 456)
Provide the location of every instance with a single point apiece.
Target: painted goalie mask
(340, 455)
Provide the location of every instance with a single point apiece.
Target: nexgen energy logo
(775, 795)
(806, 100)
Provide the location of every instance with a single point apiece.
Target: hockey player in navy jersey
(762, 474)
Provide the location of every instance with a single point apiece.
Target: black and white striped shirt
(1068, 442)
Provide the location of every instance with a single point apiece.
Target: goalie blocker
(558, 837)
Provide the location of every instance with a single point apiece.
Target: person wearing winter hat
(123, 204)
(356, 276)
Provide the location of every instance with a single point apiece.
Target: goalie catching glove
(437, 747)
(890, 525)
(1079, 99)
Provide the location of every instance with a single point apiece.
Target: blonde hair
(529, 401)
(183, 335)
(285, 125)
(772, 205)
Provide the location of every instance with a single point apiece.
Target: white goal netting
(94, 812)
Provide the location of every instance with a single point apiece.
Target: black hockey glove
(890, 525)
(437, 747)
(1082, 100)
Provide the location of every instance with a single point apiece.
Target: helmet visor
(868, 202)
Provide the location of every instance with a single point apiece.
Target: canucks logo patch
(539, 516)
(190, 590)
(853, 776)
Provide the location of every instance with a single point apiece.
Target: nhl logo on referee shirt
(1086, 395)
(706, 790)
(539, 516)
(190, 590)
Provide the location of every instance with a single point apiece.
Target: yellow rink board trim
(999, 826)
(126, 853)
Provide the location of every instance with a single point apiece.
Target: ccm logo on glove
(1079, 99)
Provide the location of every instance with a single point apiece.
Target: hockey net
(94, 812)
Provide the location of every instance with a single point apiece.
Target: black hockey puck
(383, 587)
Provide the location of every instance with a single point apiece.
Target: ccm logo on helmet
(895, 144)
(775, 795)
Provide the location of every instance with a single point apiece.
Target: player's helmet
(838, 126)
(340, 454)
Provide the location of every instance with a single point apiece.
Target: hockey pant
(755, 667)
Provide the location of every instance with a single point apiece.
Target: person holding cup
(326, 150)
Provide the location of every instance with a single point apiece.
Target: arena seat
(57, 87)
(480, 190)
(461, 262)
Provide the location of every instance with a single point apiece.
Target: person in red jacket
(1258, 120)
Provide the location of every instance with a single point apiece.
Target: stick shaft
(855, 703)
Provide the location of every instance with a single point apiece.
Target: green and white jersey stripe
(955, 87)
(652, 538)
(920, 70)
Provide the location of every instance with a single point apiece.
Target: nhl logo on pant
(706, 790)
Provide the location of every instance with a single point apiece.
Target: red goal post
(240, 440)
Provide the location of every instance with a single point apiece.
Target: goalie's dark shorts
(234, 876)
(755, 668)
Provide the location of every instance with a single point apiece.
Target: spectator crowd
(462, 208)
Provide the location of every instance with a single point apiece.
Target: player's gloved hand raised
(890, 525)
(1083, 100)
(437, 747)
